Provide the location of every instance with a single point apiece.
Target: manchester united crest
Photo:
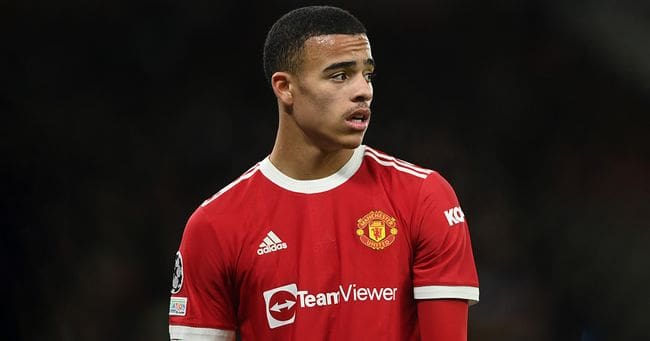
(377, 230)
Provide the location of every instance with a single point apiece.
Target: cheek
(317, 104)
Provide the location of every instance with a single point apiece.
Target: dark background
(120, 117)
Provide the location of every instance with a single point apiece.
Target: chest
(327, 244)
(316, 262)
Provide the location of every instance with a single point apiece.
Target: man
(325, 239)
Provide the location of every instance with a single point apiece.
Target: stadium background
(120, 117)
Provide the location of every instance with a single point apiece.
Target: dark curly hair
(285, 40)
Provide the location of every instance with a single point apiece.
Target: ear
(281, 82)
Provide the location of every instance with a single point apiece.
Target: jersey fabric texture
(339, 258)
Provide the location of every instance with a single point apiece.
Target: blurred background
(120, 117)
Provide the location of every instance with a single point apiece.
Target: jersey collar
(317, 185)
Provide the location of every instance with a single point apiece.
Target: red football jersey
(339, 258)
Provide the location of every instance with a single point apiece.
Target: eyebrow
(348, 64)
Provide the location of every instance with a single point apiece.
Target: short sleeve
(443, 265)
(202, 304)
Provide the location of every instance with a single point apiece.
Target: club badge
(377, 230)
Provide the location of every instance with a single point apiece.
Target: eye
(369, 76)
(341, 76)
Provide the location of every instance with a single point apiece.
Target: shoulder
(427, 181)
(221, 216)
(225, 210)
(229, 196)
(390, 164)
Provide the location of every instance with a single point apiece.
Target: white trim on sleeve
(439, 291)
(200, 334)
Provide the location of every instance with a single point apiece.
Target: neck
(303, 161)
(308, 162)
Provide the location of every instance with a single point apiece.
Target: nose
(362, 90)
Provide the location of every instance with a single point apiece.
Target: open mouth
(360, 115)
(358, 119)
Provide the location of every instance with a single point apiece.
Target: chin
(351, 143)
(342, 142)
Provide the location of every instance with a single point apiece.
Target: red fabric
(443, 320)
(276, 262)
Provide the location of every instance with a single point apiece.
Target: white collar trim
(317, 185)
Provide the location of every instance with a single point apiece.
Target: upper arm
(443, 265)
(202, 304)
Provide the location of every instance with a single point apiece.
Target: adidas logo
(271, 243)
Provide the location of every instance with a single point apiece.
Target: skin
(323, 107)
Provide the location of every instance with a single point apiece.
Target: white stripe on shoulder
(200, 334)
(403, 163)
(249, 173)
(396, 166)
(441, 291)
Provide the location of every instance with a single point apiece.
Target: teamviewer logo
(280, 305)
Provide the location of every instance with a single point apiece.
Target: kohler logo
(454, 216)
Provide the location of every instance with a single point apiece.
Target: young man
(325, 239)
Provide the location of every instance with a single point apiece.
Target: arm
(445, 278)
(201, 305)
(442, 319)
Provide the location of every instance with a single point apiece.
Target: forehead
(331, 47)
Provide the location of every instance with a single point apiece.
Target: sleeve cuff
(470, 294)
(200, 334)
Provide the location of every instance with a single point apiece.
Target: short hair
(286, 38)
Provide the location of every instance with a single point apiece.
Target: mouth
(359, 115)
(358, 119)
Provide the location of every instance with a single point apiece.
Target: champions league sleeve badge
(177, 279)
